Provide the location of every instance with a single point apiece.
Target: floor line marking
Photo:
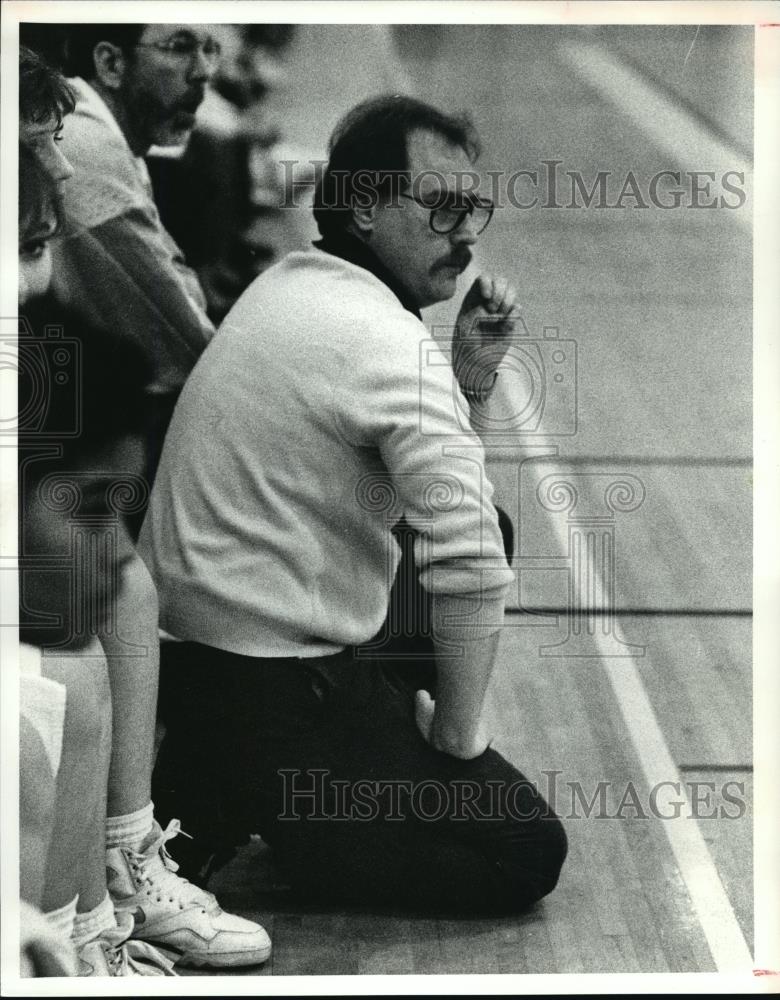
(666, 124)
(675, 131)
(710, 901)
(701, 877)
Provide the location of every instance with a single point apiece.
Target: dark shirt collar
(354, 250)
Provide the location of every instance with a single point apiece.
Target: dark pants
(323, 758)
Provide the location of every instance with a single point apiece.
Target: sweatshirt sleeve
(404, 401)
(116, 263)
(124, 277)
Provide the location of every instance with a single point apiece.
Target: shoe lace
(157, 869)
(126, 956)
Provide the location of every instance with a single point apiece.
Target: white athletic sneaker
(176, 916)
(114, 954)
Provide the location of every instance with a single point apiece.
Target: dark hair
(48, 40)
(43, 92)
(39, 199)
(81, 39)
(371, 140)
(269, 36)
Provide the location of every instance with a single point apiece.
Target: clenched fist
(485, 322)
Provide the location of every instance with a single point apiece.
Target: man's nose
(466, 233)
(203, 67)
(58, 165)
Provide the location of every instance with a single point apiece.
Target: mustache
(192, 101)
(459, 258)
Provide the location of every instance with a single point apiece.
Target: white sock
(90, 925)
(61, 920)
(130, 830)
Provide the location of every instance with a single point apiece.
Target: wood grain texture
(622, 904)
(660, 304)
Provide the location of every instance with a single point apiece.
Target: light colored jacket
(319, 414)
(115, 263)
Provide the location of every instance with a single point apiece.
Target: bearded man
(136, 85)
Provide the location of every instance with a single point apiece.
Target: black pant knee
(531, 865)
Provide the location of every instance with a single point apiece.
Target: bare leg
(133, 655)
(37, 801)
(77, 857)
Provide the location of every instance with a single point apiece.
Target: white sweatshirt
(320, 413)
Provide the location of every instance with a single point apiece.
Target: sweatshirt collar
(355, 251)
(90, 102)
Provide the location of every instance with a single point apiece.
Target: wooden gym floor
(659, 304)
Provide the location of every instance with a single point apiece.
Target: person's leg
(195, 764)
(310, 732)
(76, 864)
(76, 859)
(189, 778)
(132, 652)
(41, 728)
(37, 799)
(177, 916)
(358, 807)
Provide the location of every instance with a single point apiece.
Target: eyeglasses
(186, 47)
(449, 216)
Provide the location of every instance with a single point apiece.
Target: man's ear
(363, 217)
(110, 64)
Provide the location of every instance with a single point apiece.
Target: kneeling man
(319, 416)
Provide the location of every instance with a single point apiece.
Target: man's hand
(456, 746)
(482, 330)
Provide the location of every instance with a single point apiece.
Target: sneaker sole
(223, 960)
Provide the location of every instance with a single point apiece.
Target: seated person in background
(230, 170)
(307, 429)
(100, 632)
(58, 484)
(41, 700)
(135, 85)
(44, 100)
